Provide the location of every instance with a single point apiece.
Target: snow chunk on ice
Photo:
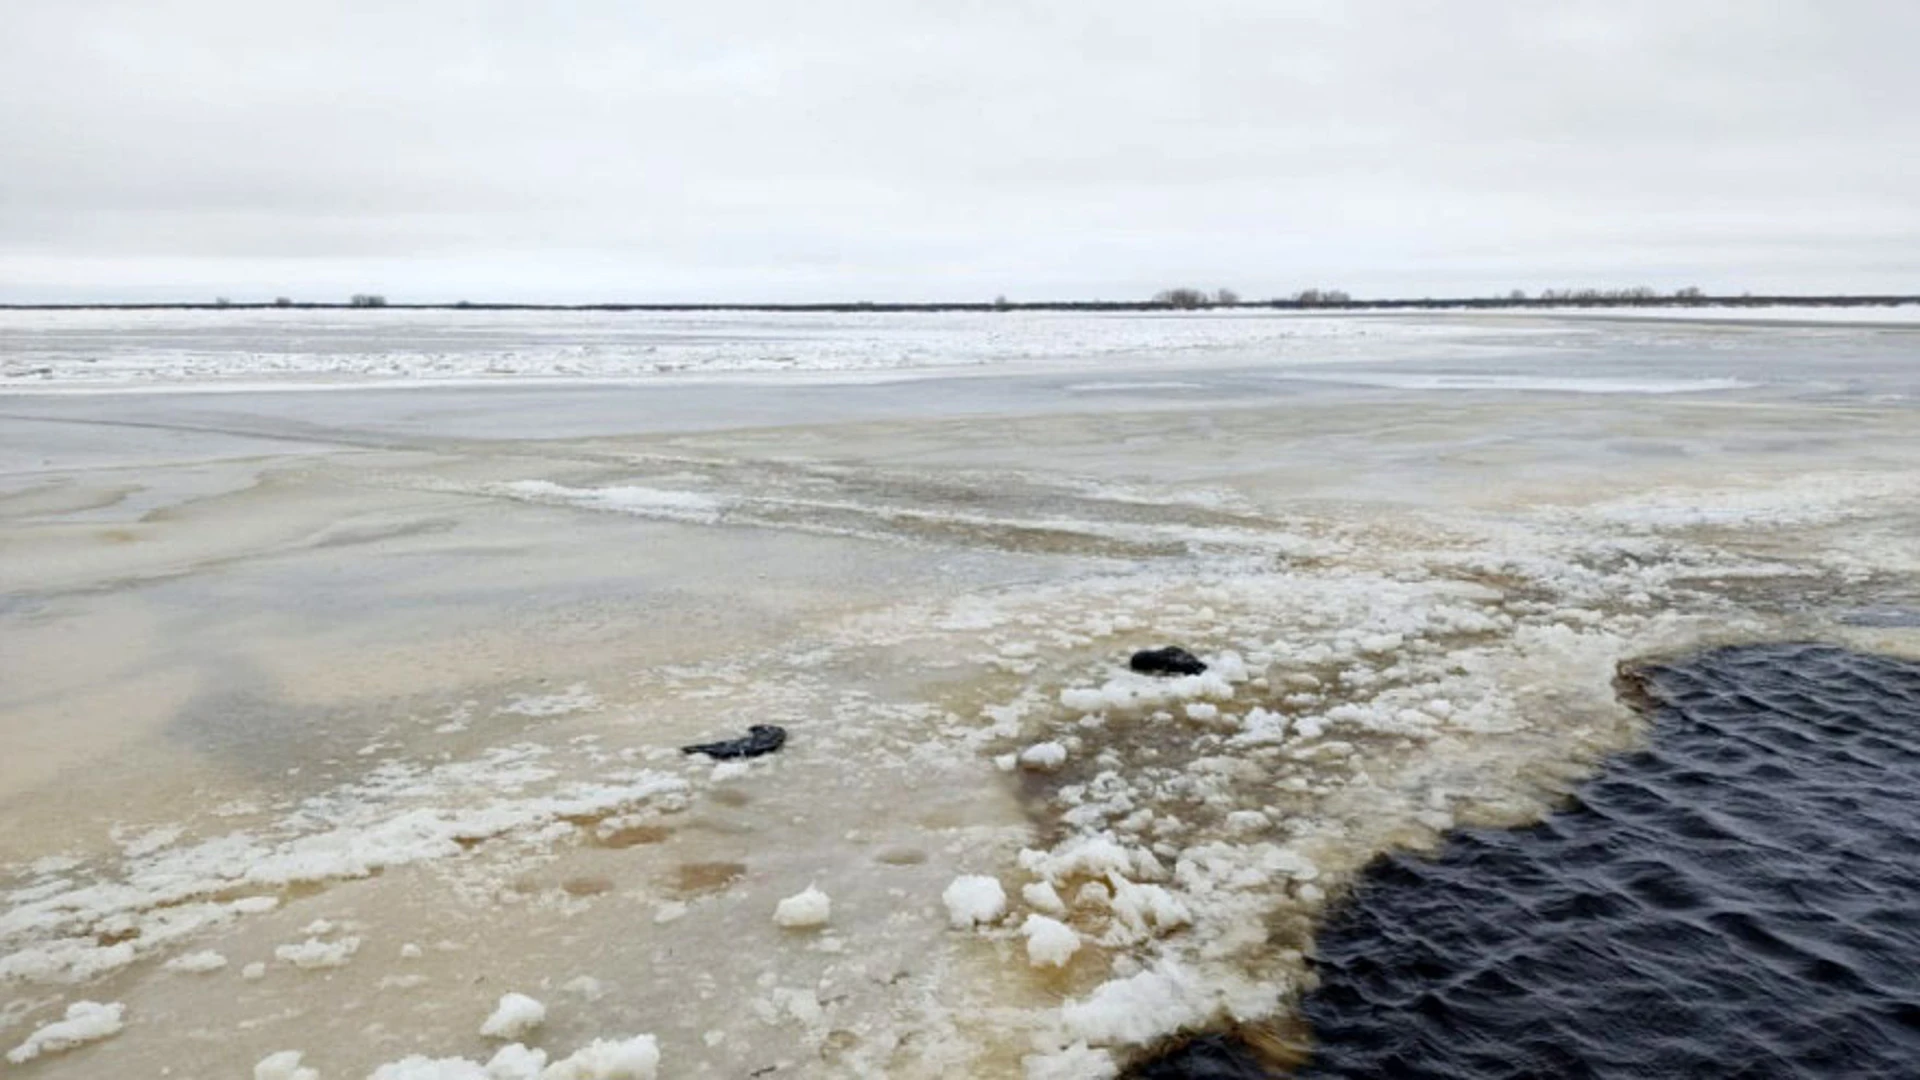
(804, 910)
(1380, 644)
(284, 1065)
(516, 1015)
(1143, 910)
(1138, 1008)
(1247, 821)
(1076, 1062)
(1083, 700)
(1045, 756)
(85, 1022)
(70, 960)
(1133, 692)
(421, 1067)
(196, 963)
(1229, 666)
(314, 953)
(1050, 942)
(516, 1062)
(637, 1058)
(973, 899)
(1092, 856)
(1042, 896)
(1206, 868)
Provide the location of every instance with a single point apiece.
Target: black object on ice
(1172, 660)
(761, 739)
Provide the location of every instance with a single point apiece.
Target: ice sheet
(332, 788)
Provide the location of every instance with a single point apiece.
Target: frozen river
(344, 657)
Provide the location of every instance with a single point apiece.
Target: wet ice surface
(377, 694)
(1740, 899)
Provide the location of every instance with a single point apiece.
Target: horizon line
(855, 306)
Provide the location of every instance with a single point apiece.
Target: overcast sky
(581, 151)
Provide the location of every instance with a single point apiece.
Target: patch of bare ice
(399, 813)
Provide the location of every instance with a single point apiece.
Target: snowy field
(343, 727)
(1808, 314)
(57, 348)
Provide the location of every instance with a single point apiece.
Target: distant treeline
(1173, 300)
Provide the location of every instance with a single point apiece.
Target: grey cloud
(891, 151)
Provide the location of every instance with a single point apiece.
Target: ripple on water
(1741, 899)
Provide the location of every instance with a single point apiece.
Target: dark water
(1740, 900)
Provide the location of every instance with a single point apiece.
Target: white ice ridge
(399, 814)
(882, 520)
(84, 1022)
(629, 498)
